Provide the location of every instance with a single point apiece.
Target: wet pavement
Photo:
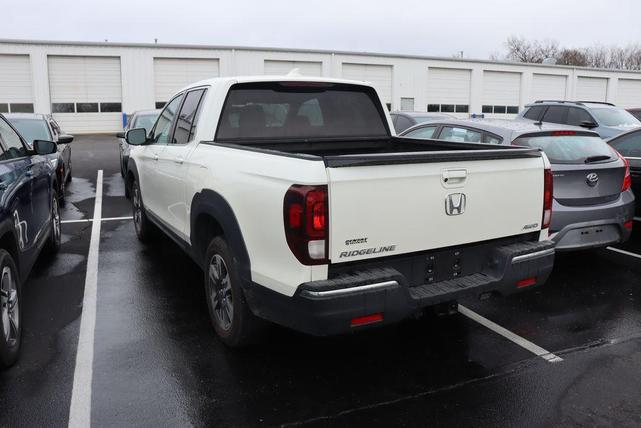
(157, 361)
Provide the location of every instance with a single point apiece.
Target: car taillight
(547, 198)
(627, 179)
(305, 213)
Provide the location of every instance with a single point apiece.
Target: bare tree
(521, 49)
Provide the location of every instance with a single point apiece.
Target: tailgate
(384, 210)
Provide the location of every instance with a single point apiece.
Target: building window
(487, 109)
(21, 107)
(407, 104)
(63, 108)
(87, 107)
(388, 105)
(499, 109)
(110, 107)
(4, 108)
(448, 108)
(512, 109)
(161, 104)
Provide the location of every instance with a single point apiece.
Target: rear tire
(55, 236)
(144, 228)
(10, 314)
(230, 315)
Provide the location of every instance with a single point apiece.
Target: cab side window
(534, 113)
(629, 145)
(402, 123)
(12, 144)
(188, 117)
(165, 120)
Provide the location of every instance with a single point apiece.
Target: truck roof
(278, 78)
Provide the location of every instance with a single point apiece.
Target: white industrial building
(87, 86)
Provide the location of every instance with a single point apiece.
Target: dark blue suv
(29, 222)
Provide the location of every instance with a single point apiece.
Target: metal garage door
(173, 74)
(629, 93)
(379, 75)
(16, 93)
(548, 87)
(306, 68)
(591, 89)
(448, 90)
(501, 93)
(86, 94)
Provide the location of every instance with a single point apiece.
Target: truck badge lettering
(365, 251)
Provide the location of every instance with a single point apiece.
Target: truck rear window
(300, 110)
(570, 149)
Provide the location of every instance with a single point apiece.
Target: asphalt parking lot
(568, 353)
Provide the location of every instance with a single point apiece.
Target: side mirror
(65, 139)
(120, 135)
(43, 147)
(136, 136)
(588, 124)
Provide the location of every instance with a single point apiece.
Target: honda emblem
(455, 204)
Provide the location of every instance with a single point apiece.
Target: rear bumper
(331, 306)
(579, 228)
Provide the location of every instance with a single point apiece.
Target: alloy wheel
(220, 295)
(9, 307)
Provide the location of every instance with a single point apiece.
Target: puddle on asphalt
(79, 190)
(114, 185)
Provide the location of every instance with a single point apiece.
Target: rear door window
(628, 145)
(534, 113)
(491, 139)
(426, 132)
(556, 114)
(451, 133)
(576, 116)
(300, 110)
(570, 149)
(187, 118)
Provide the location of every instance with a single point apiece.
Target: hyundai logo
(455, 204)
(592, 179)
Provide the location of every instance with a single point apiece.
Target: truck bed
(392, 150)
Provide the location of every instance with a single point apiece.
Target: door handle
(179, 159)
(28, 173)
(453, 177)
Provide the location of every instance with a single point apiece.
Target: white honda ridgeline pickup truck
(303, 208)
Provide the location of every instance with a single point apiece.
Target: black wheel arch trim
(210, 203)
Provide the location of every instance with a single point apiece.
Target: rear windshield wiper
(597, 158)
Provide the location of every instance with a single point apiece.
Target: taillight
(547, 198)
(627, 179)
(305, 213)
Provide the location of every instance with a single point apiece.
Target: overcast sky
(439, 28)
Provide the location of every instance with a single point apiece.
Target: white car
(304, 209)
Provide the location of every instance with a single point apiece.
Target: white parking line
(523, 343)
(87, 220)
(80, 408)
(627, 253)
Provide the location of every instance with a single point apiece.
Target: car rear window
(300, 110)
(574, 149)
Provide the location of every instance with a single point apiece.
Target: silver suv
(605, 119)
